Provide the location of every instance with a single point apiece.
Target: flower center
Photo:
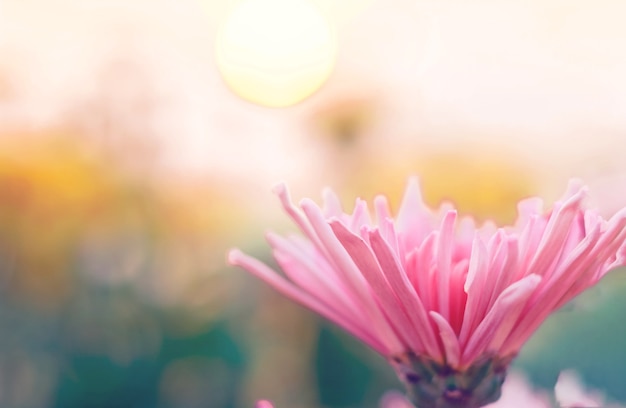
(430, 384)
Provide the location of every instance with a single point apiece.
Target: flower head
(448, 303)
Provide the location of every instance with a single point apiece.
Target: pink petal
(423, 271)
(473, 287)
(498, 253)
(414, 220)
(316, 280)
(444, 261)
(367, 264)
(529, 240)
(381, 206)
(332, 204)
(348, 271)
(496, 326)
(259, 269)
(360, 216)
(448, 339)
(282, 192)
(526, 209)
(402, 287)
(310, 272)
(459, 300)
(555, 233)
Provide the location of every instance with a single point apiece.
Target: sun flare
(275, 52)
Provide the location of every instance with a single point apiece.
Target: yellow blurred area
(487, 187)
(485, 182)
(50, 195)
(482, 186)
(57, 195)
(52, 176)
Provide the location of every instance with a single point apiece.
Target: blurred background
(139, 140)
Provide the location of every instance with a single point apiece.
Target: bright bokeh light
(275, 52)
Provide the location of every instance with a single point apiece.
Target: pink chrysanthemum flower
(449, 304)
